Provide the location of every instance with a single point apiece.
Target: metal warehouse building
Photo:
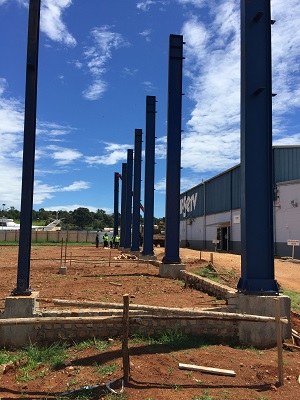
(210, 211)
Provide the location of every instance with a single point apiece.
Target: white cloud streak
(113, 154)
(97, 57)
(52, 23)
(44, 191)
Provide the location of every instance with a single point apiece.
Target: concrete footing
(62, 270)
(170, 270)
(19, 307)
(260, 334)
(147, 257)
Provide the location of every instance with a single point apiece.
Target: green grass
(96, 343)
(206, 272)
(204, 396)
(295, 299)
(175, 340)
(33, 356)
(105, 369)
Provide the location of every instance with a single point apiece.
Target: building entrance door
(223, 236)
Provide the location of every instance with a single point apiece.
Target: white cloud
(97, 56)
(130, 72)
(52, 24)
(212, 63)
(196, 3)
(62, 155)
(145, 5)
(44, 191)
(149, 87)
(160, 185)
(75, 186)
(113, 154)
(146, 34)
(95, 90)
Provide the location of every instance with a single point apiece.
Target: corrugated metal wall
(223, 192)
(286, 163)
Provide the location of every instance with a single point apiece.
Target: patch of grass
(176, 388)
(206, 272)
(96, 343)
(204, 396)
(117, 397)
(106, 369)
(52, 357)
(6, 357)
(295, 299)
(175, 339)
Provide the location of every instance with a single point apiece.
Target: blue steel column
(149, 176)
(135, 245)
(123, 205)
(257, 273)
(128, 211)
(23, 275)
(116, 203)
(173, 150)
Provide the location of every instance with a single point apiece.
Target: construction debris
(123, 256)
(208, 370)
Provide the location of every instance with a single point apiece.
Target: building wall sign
(188, 205)
(236, 219)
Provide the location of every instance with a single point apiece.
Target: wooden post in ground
(212, 258)
(279, 341)
(200, 255)
(125, 349)
(109, 258)
(61, 251)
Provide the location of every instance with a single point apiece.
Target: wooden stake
(278, 327)
(125, 350)
(212, 258)
(200, 255)
(109, 258)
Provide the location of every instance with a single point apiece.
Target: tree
(82, 217)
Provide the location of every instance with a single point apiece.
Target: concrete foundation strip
(137, 318)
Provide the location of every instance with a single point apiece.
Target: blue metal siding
(218, 191)
(236, 188)
(286, 164)
(223, 192)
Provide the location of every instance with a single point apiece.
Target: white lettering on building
(188, 204)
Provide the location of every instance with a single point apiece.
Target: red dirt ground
(154, 368)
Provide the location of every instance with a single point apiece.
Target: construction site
(78, 298)
(157, 322)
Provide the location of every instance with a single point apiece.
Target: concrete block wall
(206, 285)
(214, 330)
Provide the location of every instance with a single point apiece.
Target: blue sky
(99, 59)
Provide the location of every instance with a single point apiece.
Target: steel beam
(128, 210)
(257, 273)
(135, 245)
(149, 176)
(173, 150)
(123, 205)
(23, 274)
(116, 204)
